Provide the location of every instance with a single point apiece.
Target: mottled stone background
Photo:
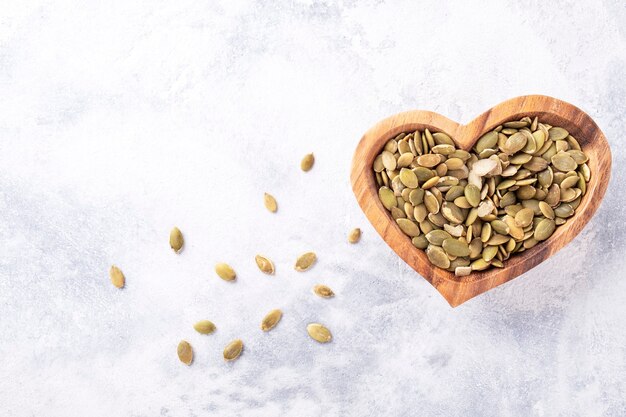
(121, 119)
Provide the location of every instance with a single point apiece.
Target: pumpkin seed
(387, 198)
(408, 178)
(544, 229)
(319, 333)
(265, 265)
(307, 162)
(524, 217)
(408, 227)
(233, 350)
(270, 321)
(204, 327)
(455, 247)
(437, 256)
(185, 352)
(176, 240)
(323, 291)
(117, 277)
(305, 261)
(389, 161)
(225, 272)
(354, 236)
(270, 202)
(558, 133)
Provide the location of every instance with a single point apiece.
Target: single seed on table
(354, 236)
(176, 240)
(307, 162)
(319, 333)
(265, 265)
(270, 202)
(323, 291)
(233, 350)
(185, 352)
(225, 271)
(271, 320)
(117, 277)
(204, 327)
(305, 261)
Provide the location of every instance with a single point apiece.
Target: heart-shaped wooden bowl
(457, 290)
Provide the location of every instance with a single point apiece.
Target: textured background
(119, 120)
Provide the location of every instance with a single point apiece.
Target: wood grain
(457, 290)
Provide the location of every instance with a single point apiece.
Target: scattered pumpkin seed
(233, 350)
(319, 333)
(225, 272)
(204, 327)
(176, 240)
(270, 202)
(305, 261)
(307, 162)
(323, 291)
(117, 277)
(271, 320)
(354, 236)
(265, 265)
(185, 352)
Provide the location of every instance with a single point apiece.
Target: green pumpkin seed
(429, 160)
(408, 227)
(389, 161)
(442, 139)
(546, 210)
(544, 229)
(563, 162)
(524, 217)
(558, 133)
(387, 198)
(437, 256)
(420, 242)
(455, 247)
(408, 178)
(436, 237)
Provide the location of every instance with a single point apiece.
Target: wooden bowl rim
(551, 110)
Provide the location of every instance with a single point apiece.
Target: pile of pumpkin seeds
(473, 210)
